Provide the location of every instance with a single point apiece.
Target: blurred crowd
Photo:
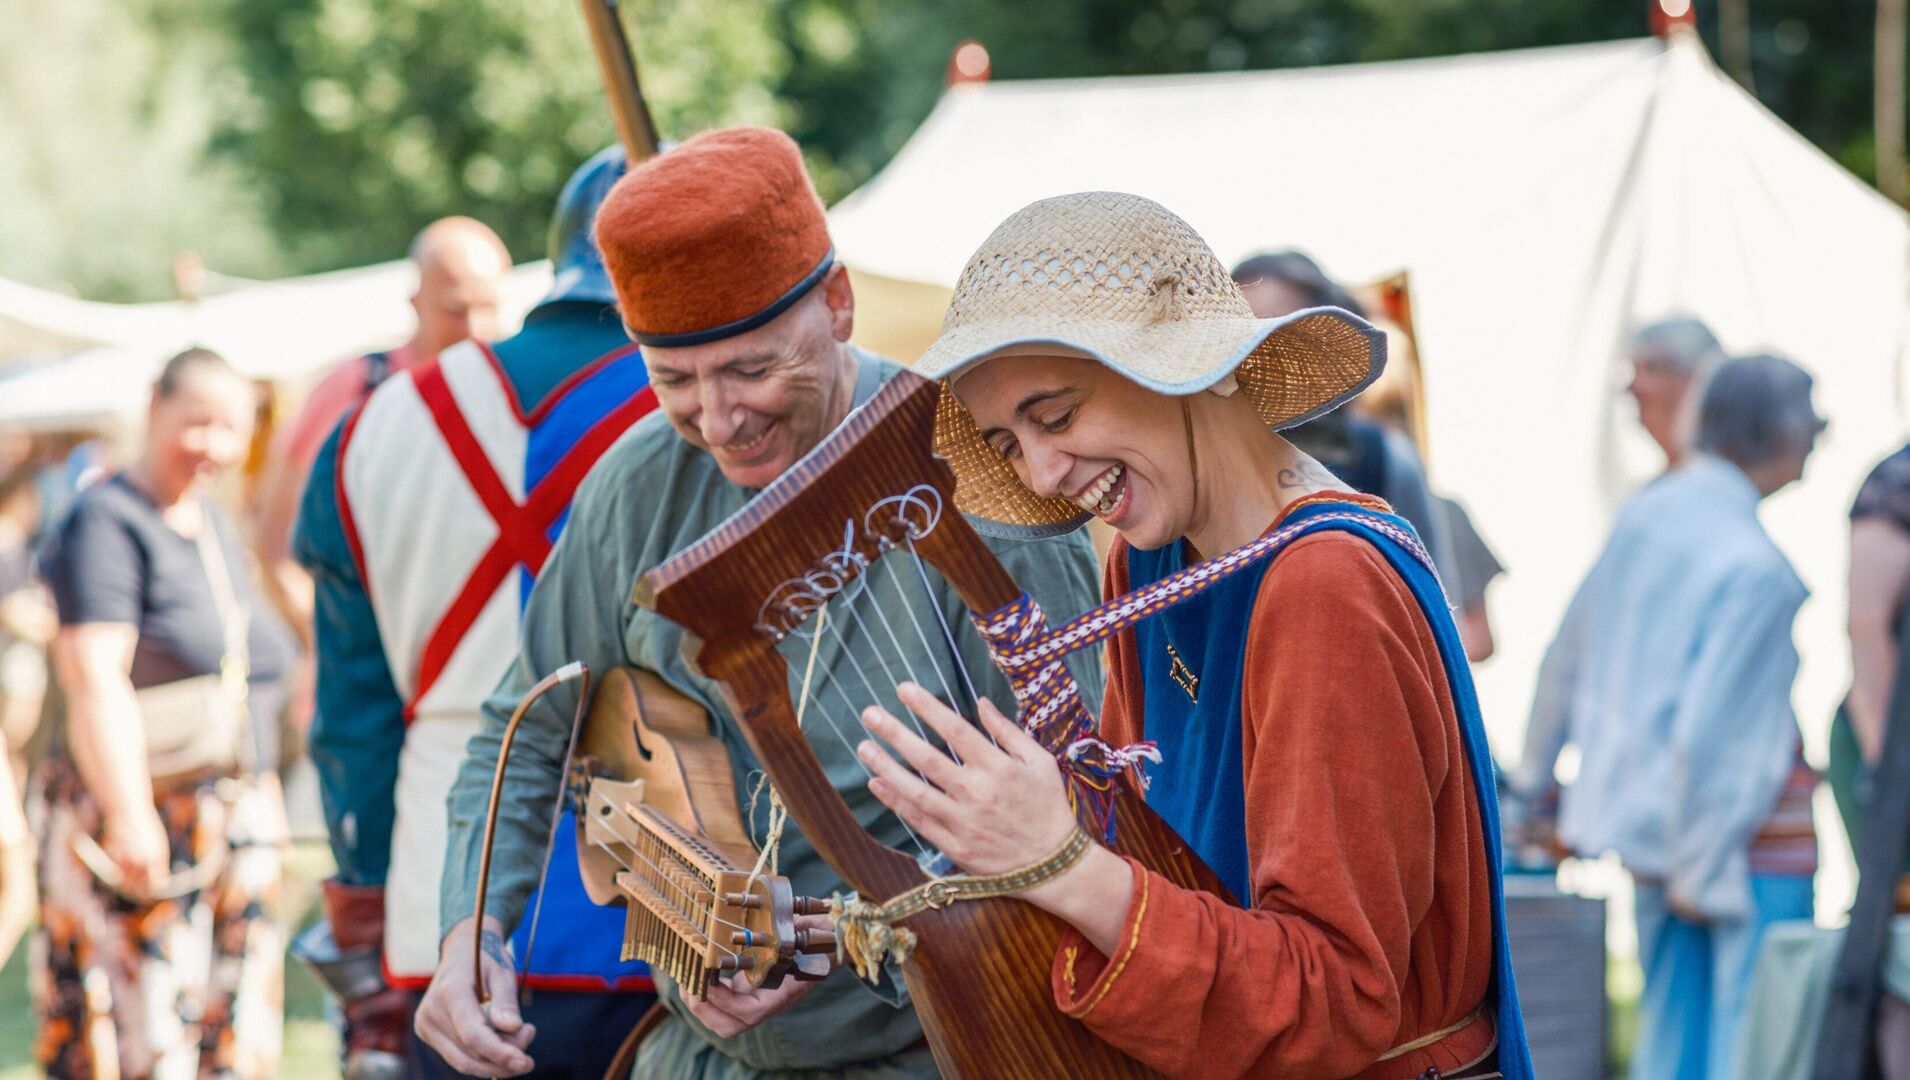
(156, 656)
(156, 681)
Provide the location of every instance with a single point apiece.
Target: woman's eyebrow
(1037, 397)
(1033, 399)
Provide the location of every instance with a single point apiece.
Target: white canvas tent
(1546, 203)
(96, 361)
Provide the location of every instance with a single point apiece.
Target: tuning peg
(809, 905)
(815, 941)
(736, 963)
(743, 900)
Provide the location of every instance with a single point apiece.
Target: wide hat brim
(1292, 368)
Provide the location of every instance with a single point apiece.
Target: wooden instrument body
(653, 779)
(979, 974)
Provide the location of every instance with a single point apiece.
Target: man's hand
(478, 1040)
(731, 1008)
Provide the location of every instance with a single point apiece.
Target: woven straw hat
(1123, 280)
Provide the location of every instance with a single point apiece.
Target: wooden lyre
(659, 832)
(979, 970)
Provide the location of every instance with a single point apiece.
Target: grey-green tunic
(652, 495)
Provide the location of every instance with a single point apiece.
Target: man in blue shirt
(1672, 674)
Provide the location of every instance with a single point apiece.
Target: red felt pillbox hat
(714, 238)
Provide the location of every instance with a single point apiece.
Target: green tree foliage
(106, 107)
(369, 118)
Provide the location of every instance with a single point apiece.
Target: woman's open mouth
(1106, 495)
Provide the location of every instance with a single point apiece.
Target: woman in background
(163, 823)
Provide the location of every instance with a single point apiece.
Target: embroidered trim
(1120, 965)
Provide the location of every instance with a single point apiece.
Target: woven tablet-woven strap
(1031, 656)
(867, 934)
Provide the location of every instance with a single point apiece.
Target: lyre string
(844, 576)
(948, 636)
(948, 692)
(836, 728)
(901, 654)
(770, 853)
(875, 646)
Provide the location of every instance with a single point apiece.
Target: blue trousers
(1696, 979)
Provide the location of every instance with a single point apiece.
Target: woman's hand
(135, 839)
(993, 807)
(997, 806)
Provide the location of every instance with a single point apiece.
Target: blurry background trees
(283, 136)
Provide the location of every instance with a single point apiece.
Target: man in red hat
(725, 275)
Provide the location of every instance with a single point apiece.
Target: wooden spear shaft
(635, 128)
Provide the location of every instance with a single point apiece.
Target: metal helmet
(576, 265)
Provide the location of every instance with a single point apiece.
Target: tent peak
(1673, 17)
(969, 63)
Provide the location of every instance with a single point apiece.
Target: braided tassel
(1051, 710)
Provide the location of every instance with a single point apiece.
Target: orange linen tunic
(1370, 924)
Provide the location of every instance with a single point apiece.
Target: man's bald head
(460, 262)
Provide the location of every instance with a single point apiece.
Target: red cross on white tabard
(523, 529)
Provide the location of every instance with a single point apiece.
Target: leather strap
(1431, 1037)
(235, 662)
(626, 1058)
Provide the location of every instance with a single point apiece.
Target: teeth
(739, 447)
(1092, 500)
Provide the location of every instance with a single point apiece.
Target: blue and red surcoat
(425, 522)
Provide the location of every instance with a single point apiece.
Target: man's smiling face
(759, 401)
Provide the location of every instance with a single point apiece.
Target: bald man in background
(460, 264)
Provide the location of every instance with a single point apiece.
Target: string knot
(1167, 295)
(865, 936)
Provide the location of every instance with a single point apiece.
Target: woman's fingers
(969, 745)
(906, 794)
(922, 756)
(1009, 736)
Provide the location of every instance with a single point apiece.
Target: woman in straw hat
(1320, 740)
